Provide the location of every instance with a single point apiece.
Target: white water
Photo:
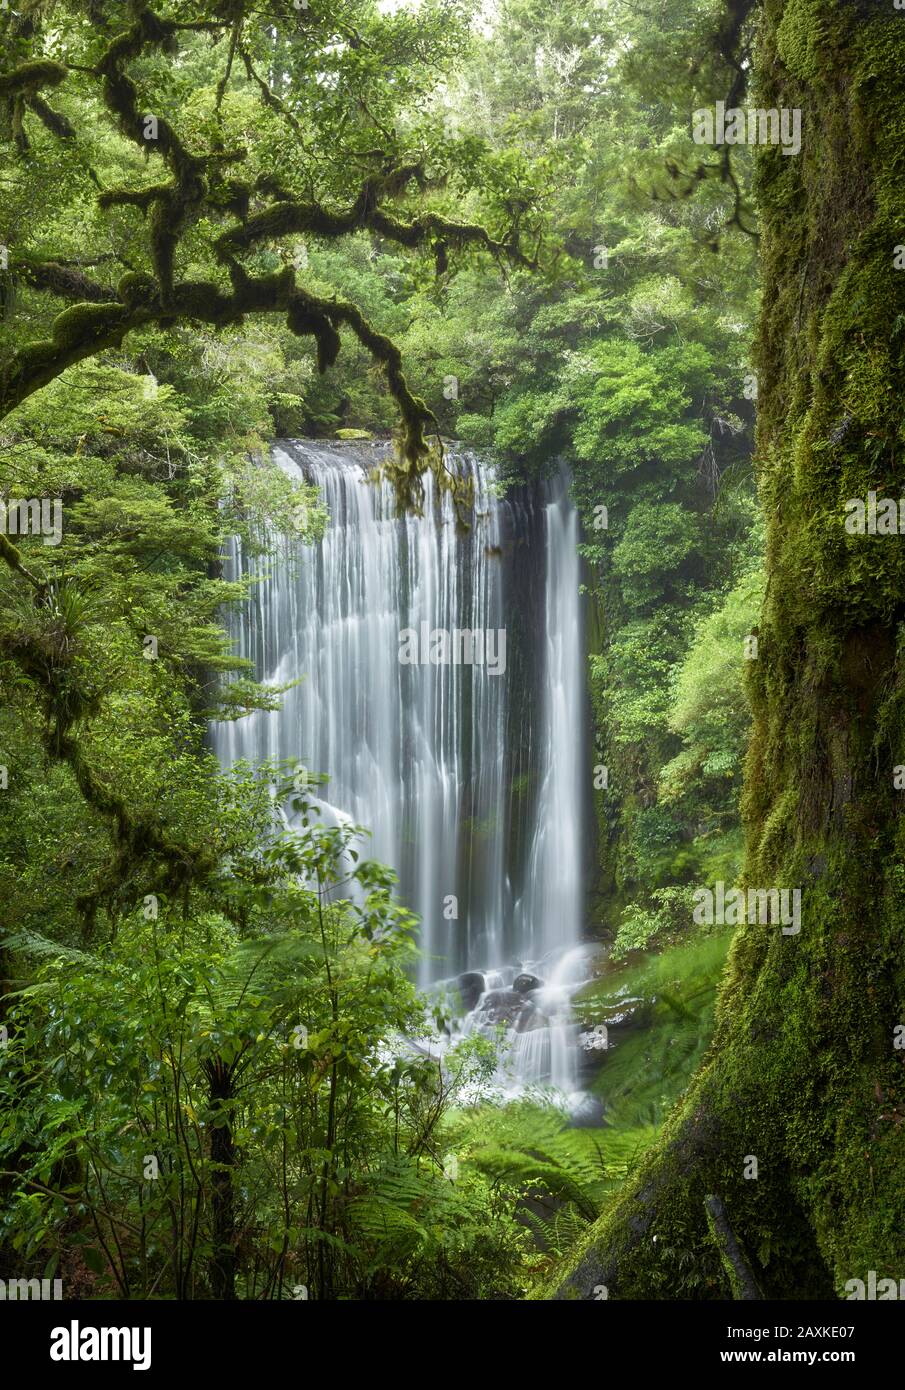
(469, 782)
(548, 915)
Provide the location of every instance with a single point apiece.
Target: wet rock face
(501, 1006)
(530, 1018)
(523, 983)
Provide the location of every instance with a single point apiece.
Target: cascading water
(461, 753)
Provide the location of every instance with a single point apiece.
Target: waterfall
(466, 772)
(549, 915)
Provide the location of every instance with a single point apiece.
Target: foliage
(227, 1110)
(352, 218)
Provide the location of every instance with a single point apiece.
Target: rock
(470, 986)
(501, 1006)
(522, 983)
(626, 1012)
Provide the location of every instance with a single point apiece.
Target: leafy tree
(301, 135)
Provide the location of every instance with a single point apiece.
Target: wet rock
(470, 986)
(522, 983)
(625, 1013)
(501, 1006)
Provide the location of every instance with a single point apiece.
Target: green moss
(305, 317)
(55, 122)
(799, 36)
(204, 300)
(83, 322)
(28, 77)
(133, 197)
(136, 288)
(802, 1072)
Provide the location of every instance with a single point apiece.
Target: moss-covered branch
(735, 1265)
(289, 217)
(196, 188)
(28, 78)
(77, 333)
(67, 282)
(172, 205)
(138, 839)
(58, 124)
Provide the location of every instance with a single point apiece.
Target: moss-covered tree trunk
(804, 1075)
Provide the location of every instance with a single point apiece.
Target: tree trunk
(804, 1074)
(223, 1159)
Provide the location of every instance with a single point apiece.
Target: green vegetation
(220, 228)
(804, 1072)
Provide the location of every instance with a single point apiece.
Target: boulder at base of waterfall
(509, 1009)
(522, 983)
(501, 1006)
(470, 987)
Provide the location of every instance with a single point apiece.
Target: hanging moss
(136, 288)
(55, 122)
(416, 416)
(17, 109)
(197, 187)
(304, 318)
(66, 281)
(206, 302)
(170, 206)
(232, 195)
(29, 77)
